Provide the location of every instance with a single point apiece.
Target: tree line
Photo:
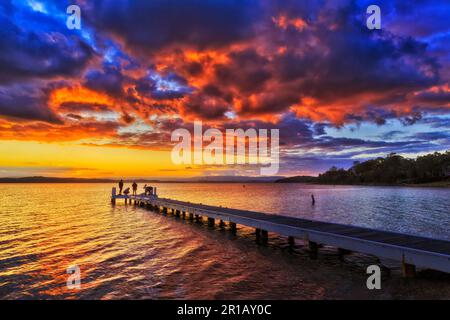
(393, 169)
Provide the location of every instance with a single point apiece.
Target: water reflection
(128, 252)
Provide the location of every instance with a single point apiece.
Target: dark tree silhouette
(392, 169)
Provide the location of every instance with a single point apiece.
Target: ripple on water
(130, 253)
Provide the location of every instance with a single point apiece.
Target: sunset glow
(103, 101)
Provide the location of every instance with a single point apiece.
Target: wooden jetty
(410, 250)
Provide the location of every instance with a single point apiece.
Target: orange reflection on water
(129, 252)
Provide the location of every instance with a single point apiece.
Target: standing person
(120, 186)
(313, 200)
(134, 185)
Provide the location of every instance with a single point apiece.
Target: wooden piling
(264, 235)
(408, 270)
(291, 241)
(313, 249)
(113, 196)
(233, 227)
(211, 222)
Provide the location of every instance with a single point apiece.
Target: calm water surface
(126, 252)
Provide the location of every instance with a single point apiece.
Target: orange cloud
(284, 22)
(78, 94)
(46, 132)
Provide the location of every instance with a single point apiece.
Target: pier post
(291, 241)
(257, 233)
(177, 213)
(191, 216)
(221, 224)
(197, 218)
(313, 249)
(211, 222)
(233, 227)
(264, 235)
(113, 195)
(164, 210)
(183, 214)
(408, 270)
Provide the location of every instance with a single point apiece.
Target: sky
(102, 101)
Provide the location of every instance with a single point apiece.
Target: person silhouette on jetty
(135, 186)
(148, 191)
(120, 186)
(313, 200)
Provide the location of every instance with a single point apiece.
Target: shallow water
(128, 252)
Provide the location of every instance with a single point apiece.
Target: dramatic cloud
(152, 25)
(139, 69)
(36, 45)
(25, 102)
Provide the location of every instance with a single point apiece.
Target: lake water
(126, 252)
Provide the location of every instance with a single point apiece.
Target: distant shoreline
(66, 180)
(114, 181)
(302, 180)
